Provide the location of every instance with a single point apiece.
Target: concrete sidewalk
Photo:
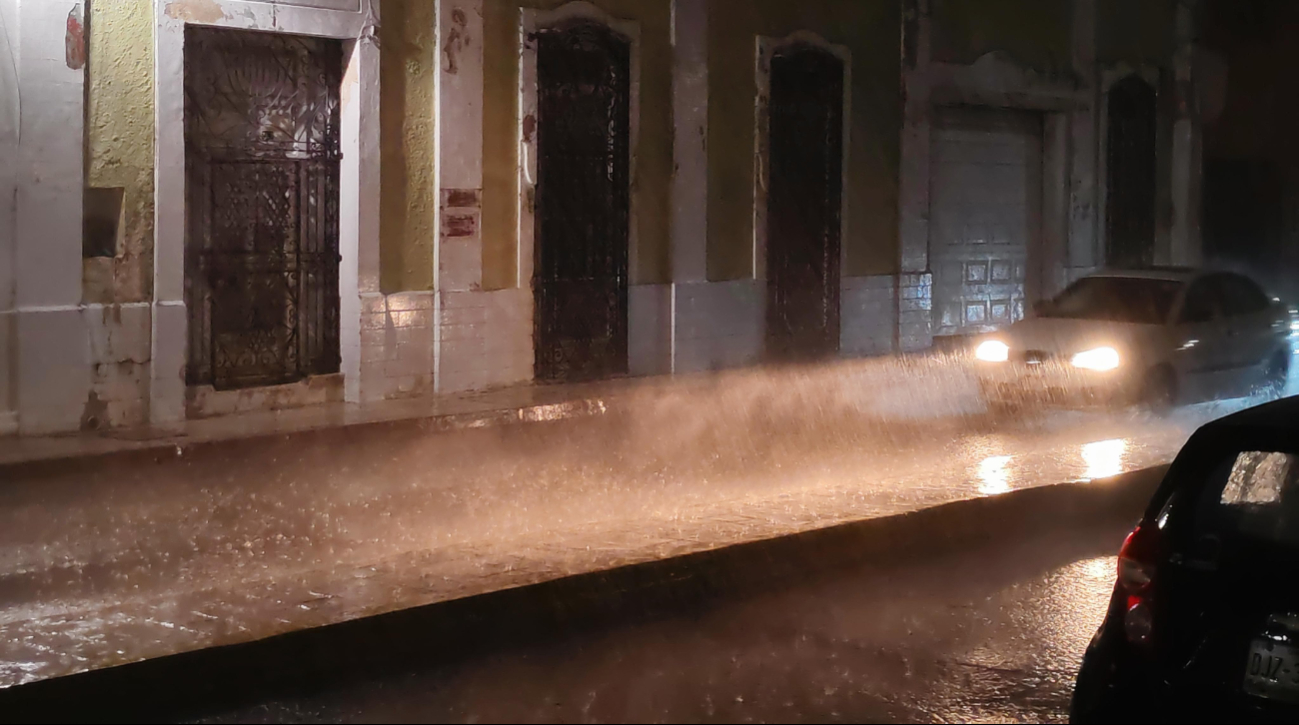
(515, 404)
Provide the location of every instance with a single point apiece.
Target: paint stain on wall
(456, 40)
(195, 11)
(460, 225)
(462, 199)
(74, 40)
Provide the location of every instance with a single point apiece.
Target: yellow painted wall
(120, 133)
(871, 32)
(500, 152)
(408, 66)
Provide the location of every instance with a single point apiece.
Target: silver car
(1158, 337)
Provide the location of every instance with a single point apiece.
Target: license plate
(1272, 671)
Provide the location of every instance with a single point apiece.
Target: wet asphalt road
(116, 559)
(132, 559)
(988, 627)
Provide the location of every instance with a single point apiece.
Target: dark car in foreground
(1204, 621)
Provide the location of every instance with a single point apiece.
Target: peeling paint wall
(407, 71)
(870, 31)
(119, 140)
(500, 153)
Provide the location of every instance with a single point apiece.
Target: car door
(1200, 349)
(1249, 317)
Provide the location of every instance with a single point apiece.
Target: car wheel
(1159, 393)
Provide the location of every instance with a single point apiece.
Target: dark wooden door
(804, 194)
(583, 202)
(1130, 172)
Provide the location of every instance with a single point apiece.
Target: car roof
(1172, 274)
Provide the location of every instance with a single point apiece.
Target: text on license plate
(1272, 671)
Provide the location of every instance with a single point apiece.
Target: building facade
(218, 206)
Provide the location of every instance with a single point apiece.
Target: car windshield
(1115, 299)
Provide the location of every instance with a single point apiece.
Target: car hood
(1066, 336)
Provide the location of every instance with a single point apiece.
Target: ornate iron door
(804, 200)
(583, 200)
(1130, 168)
(262, 160)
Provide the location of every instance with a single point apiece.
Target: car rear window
(1253, 494)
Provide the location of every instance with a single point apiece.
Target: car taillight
(1137, 560)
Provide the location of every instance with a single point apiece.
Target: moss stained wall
(500, 150)
(120, 133)
(871, 32)
(1034, 33)
(408, 207)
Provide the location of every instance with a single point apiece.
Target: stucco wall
(870, 31)
(407, 70)
(1033, 33)
(500, 152)
(1136, 32)
(119, 135)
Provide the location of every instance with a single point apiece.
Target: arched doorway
(804, 202)
(582, 202)
(1130, 175)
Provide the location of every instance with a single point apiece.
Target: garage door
(986, 179)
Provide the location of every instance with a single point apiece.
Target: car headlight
(1101, 358)
(992, 351)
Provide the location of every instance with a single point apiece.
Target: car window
(1116, 299)
(1240, 296)
(1202, 303)
(1255, 495)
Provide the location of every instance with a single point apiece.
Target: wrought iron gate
(262, 163)
(1130, 168)
(583, 202)
(804, 203)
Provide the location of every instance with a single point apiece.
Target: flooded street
(126, 557)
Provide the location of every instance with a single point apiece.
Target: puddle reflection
(1104, 458)
(994, 476)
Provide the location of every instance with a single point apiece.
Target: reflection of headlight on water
(992, 351)
(1101, 359)
(1104, 458)
(994, 478)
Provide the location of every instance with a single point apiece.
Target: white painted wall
(9, 124)
(53, 355)
(719, 324)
